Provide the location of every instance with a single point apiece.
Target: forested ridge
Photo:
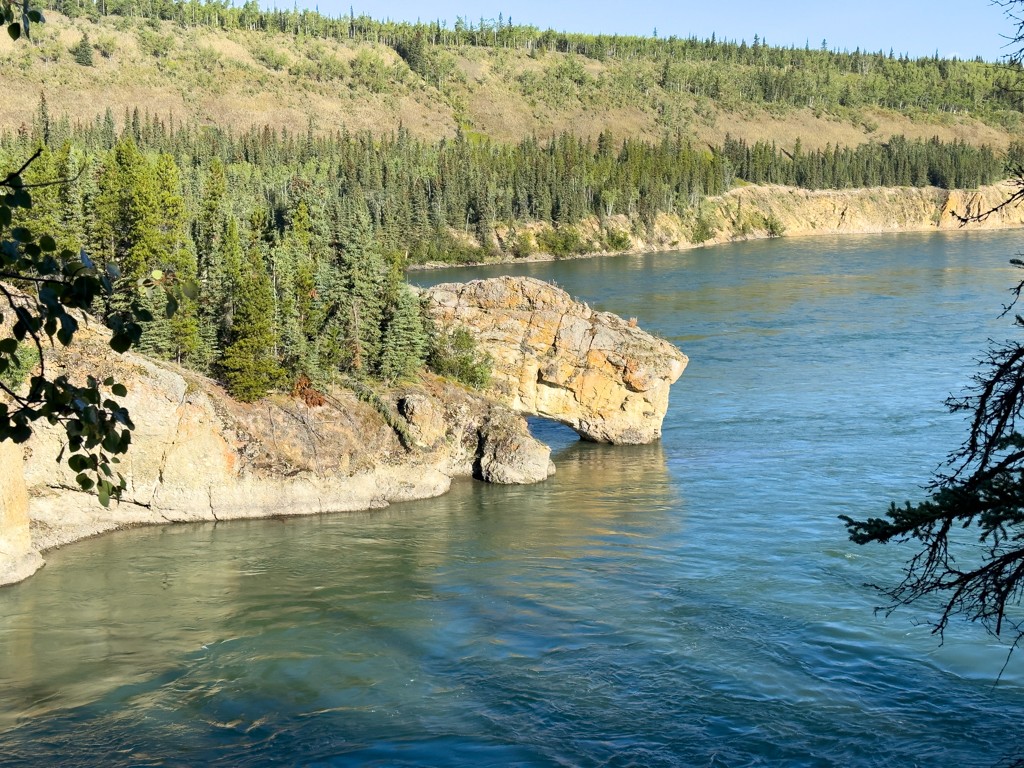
(298, 240)
(719, 69)
(215, 64)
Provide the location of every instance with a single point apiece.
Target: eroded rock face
(197, 454)
(18, 559)
(558, 358)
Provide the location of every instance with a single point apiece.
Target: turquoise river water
(689, 603)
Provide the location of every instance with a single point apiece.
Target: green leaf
(108, 382)
(47, 243)
(191, 290)
(5, 216)
(113, 270)
(14, 30)
(120, 343)
(119, 390)
(171, 308)
(157, 274)
(104, 495)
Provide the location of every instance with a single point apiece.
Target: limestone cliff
(851, 211)
(197, 454)
(743, 213)
(558, 358)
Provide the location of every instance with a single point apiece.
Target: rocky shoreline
(199, 455)
(740, 214)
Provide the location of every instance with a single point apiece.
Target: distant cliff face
(558, 358)
(743, 213)
(850, 211)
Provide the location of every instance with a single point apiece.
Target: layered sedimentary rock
(558, 358)
(197, 454)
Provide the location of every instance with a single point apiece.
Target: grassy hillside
(214, 65)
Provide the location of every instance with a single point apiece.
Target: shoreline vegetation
(297, 245)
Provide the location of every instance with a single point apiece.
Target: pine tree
(82, 51)
(249, 366)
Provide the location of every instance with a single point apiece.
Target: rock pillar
(17, 558)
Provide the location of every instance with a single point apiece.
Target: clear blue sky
(966, 28)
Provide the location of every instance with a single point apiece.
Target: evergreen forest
(298, 240)
(299, 243)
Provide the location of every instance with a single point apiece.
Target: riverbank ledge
(199, 455)
(756, 212)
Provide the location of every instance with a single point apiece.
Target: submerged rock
(557, 358)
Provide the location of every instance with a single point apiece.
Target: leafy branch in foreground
(44, 294)
(979, 576)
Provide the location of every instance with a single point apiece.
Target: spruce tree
(405, 342)
(70, 199)
(249, 366)
(235, 273)
(128, 225)
(82, 51)
(209, 228)
(361, 269)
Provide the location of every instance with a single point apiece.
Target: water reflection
(694, 602)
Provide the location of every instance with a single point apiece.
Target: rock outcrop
(558, 358)
(197, 454)
(18, 558)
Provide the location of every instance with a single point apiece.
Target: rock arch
(558, 358)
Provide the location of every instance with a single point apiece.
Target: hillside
(239, 71)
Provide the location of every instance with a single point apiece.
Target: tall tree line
(895, 163)
(298, 243)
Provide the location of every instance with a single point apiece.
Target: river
(688, 603)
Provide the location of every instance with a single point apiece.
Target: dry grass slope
(244, 79)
